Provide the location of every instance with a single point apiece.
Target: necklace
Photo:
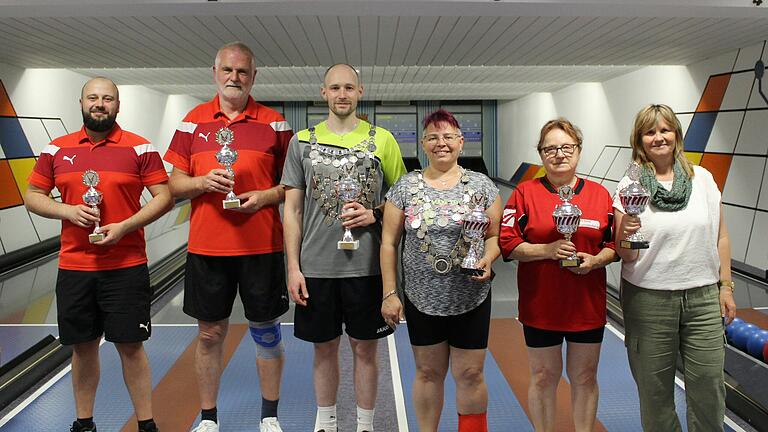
(331, 164)
(437, 214)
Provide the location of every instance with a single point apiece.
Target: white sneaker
(206, 426)
(270, 424)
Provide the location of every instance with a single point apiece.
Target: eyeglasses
(447, 138)
(551, 151)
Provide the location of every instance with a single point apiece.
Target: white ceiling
(418, 49)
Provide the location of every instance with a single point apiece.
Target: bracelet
(727, 283)
(389, 294)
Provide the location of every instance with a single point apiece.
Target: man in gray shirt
(334, 277)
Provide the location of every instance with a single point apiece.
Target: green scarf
(668, 200)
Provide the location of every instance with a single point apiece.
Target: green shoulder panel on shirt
(387, 148)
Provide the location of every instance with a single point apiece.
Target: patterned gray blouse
(433, 293)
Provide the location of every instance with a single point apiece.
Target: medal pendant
(442, 265)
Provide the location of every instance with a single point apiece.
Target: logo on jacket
(144, 326)
(508, 218)
(205, 137)
(70, 159)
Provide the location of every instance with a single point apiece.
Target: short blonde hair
(647, 119)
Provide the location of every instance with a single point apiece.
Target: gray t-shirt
(432, 293)
(320, 257)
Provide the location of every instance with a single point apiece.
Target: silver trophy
(92, 197)
(348, 190)
(227, 156)
(567, 217)
(475, 225)
(634, 198)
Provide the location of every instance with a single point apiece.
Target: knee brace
(269, 340)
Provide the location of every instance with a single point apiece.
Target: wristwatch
(727, 283)
(378, 214)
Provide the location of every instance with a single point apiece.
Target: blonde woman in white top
(675, 293)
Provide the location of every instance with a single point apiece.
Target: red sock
(473, 423)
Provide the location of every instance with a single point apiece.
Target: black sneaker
(151, 427)
(77, 427)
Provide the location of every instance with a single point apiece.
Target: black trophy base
(230, 203)
(570, 262)
(95, 237)
(472, 271)
(627, 244)
(348, 245)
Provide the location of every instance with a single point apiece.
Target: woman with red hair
(448, 311)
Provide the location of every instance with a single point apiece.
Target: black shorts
(465, 331)
(114, 303)
(211, 284)
(539, 338)
(354, 301)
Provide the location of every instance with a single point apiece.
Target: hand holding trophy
(227, 157)
(567, 217)
(634, 198)
(348, 190)
(475, 225)
(92, 197)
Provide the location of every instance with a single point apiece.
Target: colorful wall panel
(21, 140)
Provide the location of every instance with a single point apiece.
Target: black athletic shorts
(465, 331)
(114, 303)
(211, 284)
(353, 301)
(539, 338)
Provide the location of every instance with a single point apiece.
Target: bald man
(337, 284)
(235, 243)
(103, 282)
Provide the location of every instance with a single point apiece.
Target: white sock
(364, 420)
(326, 419)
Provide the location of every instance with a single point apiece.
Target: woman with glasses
(558, 302)
(447, 299)
(675, 293)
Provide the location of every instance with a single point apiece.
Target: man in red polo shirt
(103, 285)
(240, 248)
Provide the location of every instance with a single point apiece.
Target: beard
(342, 113)
(95, 125)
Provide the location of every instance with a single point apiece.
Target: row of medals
(428, 216)
(329, 165)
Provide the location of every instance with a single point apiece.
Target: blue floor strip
(54, 410)
(240, 399)
(239, 402)
(619, 406)
(504, 410)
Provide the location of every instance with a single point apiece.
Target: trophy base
(471, 271)
(230, 203)
(348, 245)
(627, 244)
(95, 237)
(570, 262)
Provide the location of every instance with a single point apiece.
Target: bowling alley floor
(171, 353)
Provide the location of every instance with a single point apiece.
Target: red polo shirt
(553, 298)
(261, 137)
(125, 163)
